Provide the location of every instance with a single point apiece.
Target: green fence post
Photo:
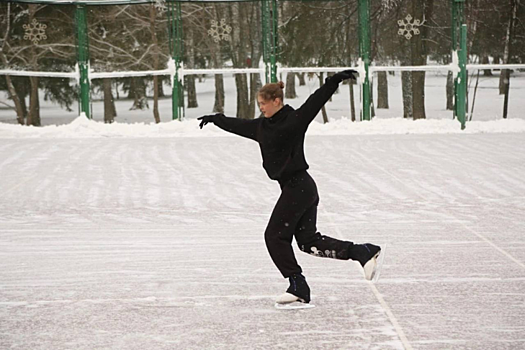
(459, 46)
(176, 49)
(83, 59)
(364, 53)
(462, 84)
(269, 36)
(453, 47)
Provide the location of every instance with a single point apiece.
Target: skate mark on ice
(382, 302)
(391, 317)
(502, 251)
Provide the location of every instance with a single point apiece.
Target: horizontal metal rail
(182, 71)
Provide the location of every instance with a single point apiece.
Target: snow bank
(393, 126)
(82, 127)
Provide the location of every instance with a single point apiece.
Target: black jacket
(281, 137)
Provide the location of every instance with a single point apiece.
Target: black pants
(295, 214)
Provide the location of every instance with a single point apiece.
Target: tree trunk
(328, 75)
(20, 113)
(16, 100)
(508, 53)
(238, 14)
(352, 100)
(302, 81)
(382, 90)
(502, 77)
(19, 108)
(21, 88)
(156, 113)
(116, 89)
(255, 86)
(450, 91)
(154, 39)
(189, 80)
(189, 83)
(218, 107)
(243, 105)
(419, 58)
(325, 115)
(406, 85)
(486, 72)
(161, 89)
(109, 104)
(131, 91)
(34, 106)
(405, 48)
(323, 110)
(139, 100)
(418, 84)
(290, 86)
(255, 58)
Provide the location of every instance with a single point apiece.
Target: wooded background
(311, 34)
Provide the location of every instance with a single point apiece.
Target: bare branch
(8, 105)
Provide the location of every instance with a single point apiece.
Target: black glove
(343, 75)
(208, 119)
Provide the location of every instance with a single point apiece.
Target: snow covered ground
(157, 243)
(488, 104)
(137, 236)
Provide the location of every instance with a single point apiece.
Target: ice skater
(280, 135)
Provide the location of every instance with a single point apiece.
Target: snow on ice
(143, 236)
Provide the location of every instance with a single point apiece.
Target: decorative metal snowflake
(220, 31)
(35, 31)
(409, 28)
(160, 5)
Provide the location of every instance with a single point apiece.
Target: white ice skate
(373, 266)
(289, 301)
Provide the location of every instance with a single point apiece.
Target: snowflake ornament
(409, 28)
(220, 31)
(160, 5)
(389, 4)
(35, 31)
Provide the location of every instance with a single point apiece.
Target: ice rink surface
(157, 243)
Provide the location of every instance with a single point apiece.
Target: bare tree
(127, 38)
(110, 112)
(33, 118)
(382, 90)
(19, 108)
(238, 52)
(189, 80)
(155, 56)
(508, 52)
(290, 86)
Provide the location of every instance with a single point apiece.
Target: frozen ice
(119, 241)
(143, 236)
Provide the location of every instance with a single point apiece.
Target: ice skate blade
(371, 267)
(287, 298)
(293, 306)
(379, 264)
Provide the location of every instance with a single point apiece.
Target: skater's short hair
(271, 91)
